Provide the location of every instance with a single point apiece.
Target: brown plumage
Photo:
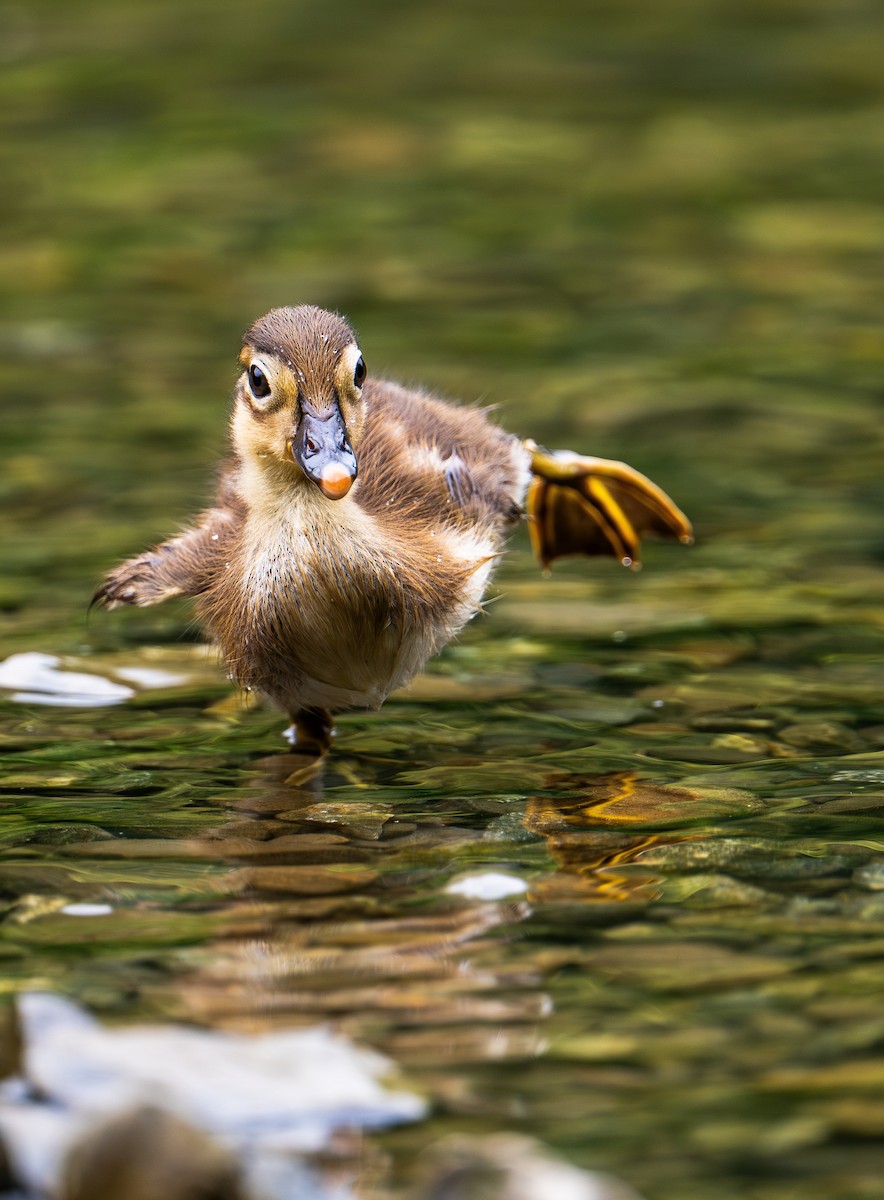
(324, 590)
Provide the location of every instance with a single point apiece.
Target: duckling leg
(579, 505)
(311, 731)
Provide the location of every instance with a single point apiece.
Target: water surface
(651, 236)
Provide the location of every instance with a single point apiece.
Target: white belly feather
(286, 578)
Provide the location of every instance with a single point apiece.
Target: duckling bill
(357, 522)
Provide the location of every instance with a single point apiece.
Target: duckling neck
(271, 488)
(290, 523)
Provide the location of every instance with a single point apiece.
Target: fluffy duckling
(357, 522)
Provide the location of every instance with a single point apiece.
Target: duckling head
(299, 406)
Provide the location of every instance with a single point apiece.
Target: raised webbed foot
(579, 505)
(311, 731)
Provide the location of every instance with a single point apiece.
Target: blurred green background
(645, 231)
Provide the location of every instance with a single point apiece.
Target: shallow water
(650, 237)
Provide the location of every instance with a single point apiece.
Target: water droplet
(657, 703)
(214, 537)
(618, 636)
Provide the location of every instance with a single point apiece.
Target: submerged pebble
(870, 876)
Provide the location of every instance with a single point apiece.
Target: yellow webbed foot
(579, 505)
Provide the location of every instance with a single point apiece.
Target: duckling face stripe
(264, 386)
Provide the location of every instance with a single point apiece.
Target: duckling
(357, 523)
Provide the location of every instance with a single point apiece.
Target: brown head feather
(305, 338)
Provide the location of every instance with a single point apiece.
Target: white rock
(487, 885)
(509, 1166)
(87, 910)
(150, 677)
(37, 1139)
(279, 1090)
(35, 678)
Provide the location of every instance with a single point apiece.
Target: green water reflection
(649, 233)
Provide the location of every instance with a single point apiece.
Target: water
(646, 235)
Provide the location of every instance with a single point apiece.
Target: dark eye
(258, 384)
(359, 372)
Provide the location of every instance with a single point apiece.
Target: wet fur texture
(323, 604)
(332, 604)
(327, 604)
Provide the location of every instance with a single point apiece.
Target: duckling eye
(258, 382)
(359, 372)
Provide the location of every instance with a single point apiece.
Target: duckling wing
(458, 479)
(434, 461)
(182, 566)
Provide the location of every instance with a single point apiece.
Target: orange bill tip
(335, 481)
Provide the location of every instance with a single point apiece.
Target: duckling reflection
(323, 926)
(356, 524)
(598, 837)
